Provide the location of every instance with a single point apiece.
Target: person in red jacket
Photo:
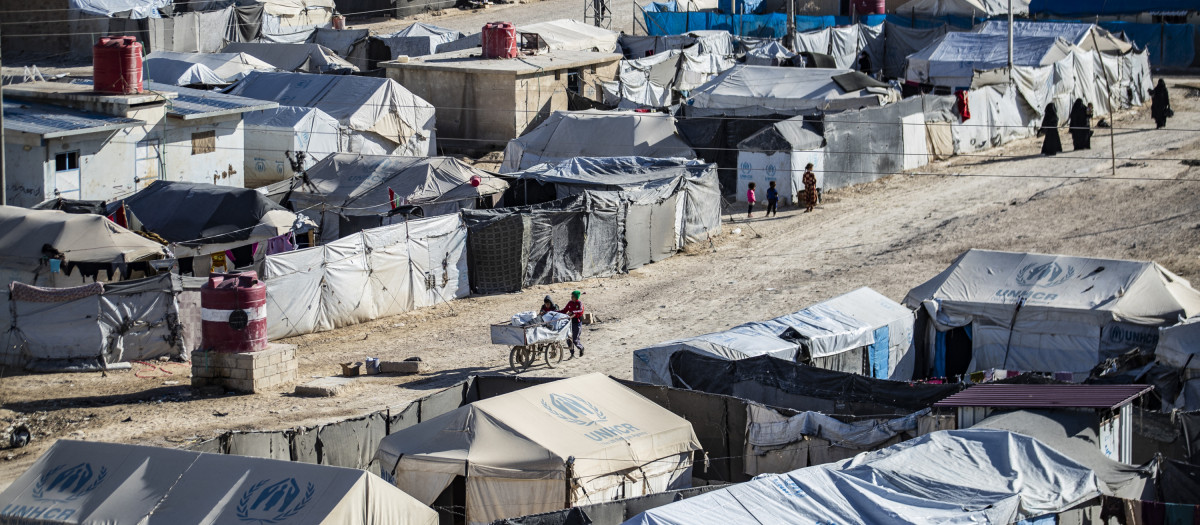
(574, 310)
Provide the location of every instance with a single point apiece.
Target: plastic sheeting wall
(609, 512)
(862, 146)
(371, 274)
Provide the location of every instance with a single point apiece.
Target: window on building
(204, 142)
(66, 161)
(66, 175)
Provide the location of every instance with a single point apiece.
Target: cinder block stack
(250, 372)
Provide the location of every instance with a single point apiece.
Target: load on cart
(533, 336)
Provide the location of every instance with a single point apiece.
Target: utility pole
(1010, 40)
(3, 174)
(791, 25)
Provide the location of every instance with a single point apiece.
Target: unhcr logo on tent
(1044, 275)
(265, 502)
(574, 409)
(744, 170)
(59, 485)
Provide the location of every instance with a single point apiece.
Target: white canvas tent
(91, 482)
(861, 331)
(1046, 313)
(181, 69)
(293, 21)
(596, 133)
(377, 110)
(762, 90)
(1179, 347)
(586, 439)
(272, 133)
(950, 477)
(964, 8)
(779, 153)
(374, 273)
(953, 59)
(569, 35)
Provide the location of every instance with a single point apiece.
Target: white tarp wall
(371, 274)
(1179, 347)
(786, 168)
(273, 132)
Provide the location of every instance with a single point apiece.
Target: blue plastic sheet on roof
(1170, 45)
(1093, 7)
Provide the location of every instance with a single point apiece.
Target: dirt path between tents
(890, 235)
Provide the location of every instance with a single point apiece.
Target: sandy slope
(889, 235)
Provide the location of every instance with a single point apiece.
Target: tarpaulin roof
(781, 90)
(92, 482)
(968, 8)
(786, 135)
(569, 35)
(1092, 7)
(624, 173)
(954, 476)
(229, 67)
(136, 9)
(583, 427)
(768, 53)
(596, 133)
(418, 39)
(1179, 344)
(195, 214)
(290, 8)
(350, 180)
(80, 237)
(306, 58)
(179, 72)
(953, 59)
(1086, 36)
(377, 105)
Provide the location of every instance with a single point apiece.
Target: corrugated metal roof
(196, 103)
(1045, 396)
(56, 121)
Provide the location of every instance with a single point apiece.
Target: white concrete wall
(223, 167)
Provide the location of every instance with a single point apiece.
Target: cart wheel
(519, 358)
(554, 354)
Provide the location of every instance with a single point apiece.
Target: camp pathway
(890, 235)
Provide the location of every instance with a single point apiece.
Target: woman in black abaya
(1080, 121)
(1052, 144)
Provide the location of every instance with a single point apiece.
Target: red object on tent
(476, 181)
(960, 104)
(392, 198)
(119, 217)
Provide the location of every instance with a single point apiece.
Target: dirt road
(890, 235)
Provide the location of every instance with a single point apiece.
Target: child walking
(750, 199)
(772, 200)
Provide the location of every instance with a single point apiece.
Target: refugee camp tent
(300, 58)
(183, 69)
(569, 442)
(762, 90)
(954, 58)
(1045, 313)
(962, 8)
(202, 219)
(274, 134)
(596, 133)
(1005, 478)
(845, 45)
(378, 110)
(1179, 347)
(860, 332)
(371, 274)
(419, 39)
(778, 154)
(569, 35)
(650, 81)
(352, 192)
(769, 53)
(292, 21)
(94, 482)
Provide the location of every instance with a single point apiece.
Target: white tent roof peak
(596, 133)
(969, 8)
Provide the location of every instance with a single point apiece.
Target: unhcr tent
(860, 332)
(377, 110)
(273, 134)
(300, 58)
(963, 8)
(169, 67)
(416, 40)
(352, 192)
(91, 482)
(952, 476)
(763, 90)
(576, 441)
(596, 133)
(778, 154)
(1043, 313)
(1179, 347)
(953, 59)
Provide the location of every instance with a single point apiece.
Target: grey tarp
(351, 192)
(964, 8)
(191, 32)
(596, 133)
(769, 53)
(954, 476)
(274, 134)
(778, 153)
(776, 443)
(229, 67)
(902, 41)
(375, 273)
(386, 117)
(180, 73)
(419, 39)
(110, 323)
(1179, 348)
(953, 59)
(135, 9)
(1047, 313)
(870, 143)
(86, 482)
(303, 58)
(763, 90)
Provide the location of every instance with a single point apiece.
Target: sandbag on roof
(305, 58)
(381, 110)
(596, 133)
(952, 477)
(89, 482)
(518, 451)
(80, 238)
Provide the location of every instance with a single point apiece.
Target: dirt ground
(890, 235)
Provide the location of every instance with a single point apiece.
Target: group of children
(809, 195)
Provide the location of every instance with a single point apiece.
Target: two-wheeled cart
(529, 342)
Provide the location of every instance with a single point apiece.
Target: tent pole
(3, 175)
(1010, 40)
(1112, 129)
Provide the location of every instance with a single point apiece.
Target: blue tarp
(1094, 7)
(879, 353)
(739, 6)
(1170, 45)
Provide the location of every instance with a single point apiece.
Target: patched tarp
(762, 90)
(953, 476)
(596, 133)
(953, 59)
(867, 144)
(92, 482)
(520, 451)
(776, 443)
(1049, 313)
(374, 273)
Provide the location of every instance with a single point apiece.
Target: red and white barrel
(233, 308)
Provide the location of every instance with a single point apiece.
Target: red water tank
(870, 7)
(117, 65)
(233, 311)
(499, 40)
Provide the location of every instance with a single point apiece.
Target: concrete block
(325, 387)
(403, 367)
